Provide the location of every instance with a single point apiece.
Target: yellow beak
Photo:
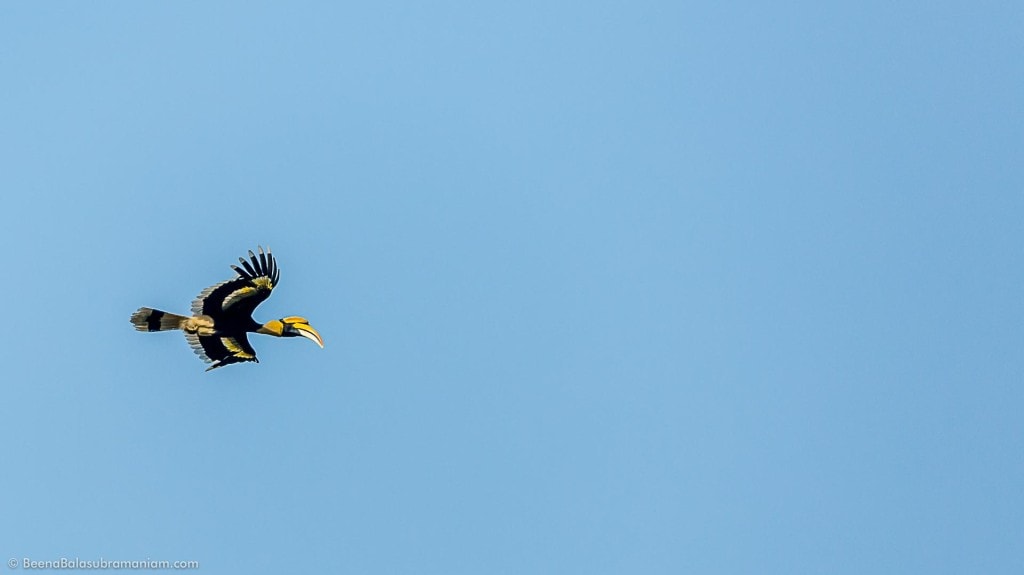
(307, 331)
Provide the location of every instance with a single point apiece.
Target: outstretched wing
(240, 296)
(221, 350)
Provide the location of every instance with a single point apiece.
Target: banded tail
(149, 319)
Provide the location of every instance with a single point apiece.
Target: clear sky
(606, 287)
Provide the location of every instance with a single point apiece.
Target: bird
(222, 315)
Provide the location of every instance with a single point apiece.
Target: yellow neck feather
(272, 327)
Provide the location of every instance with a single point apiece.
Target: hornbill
(222, 315)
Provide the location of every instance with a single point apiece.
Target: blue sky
(605, 287)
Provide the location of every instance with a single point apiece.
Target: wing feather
(248, 268)
(240, 296)
(221, 350)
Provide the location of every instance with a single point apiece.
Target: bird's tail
(149, 319)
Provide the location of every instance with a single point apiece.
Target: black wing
(240, 296)
(221, 350)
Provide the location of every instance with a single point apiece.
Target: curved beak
(307, 331)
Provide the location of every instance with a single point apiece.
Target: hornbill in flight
(222, 315)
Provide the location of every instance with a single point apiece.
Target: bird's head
(292, 326)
